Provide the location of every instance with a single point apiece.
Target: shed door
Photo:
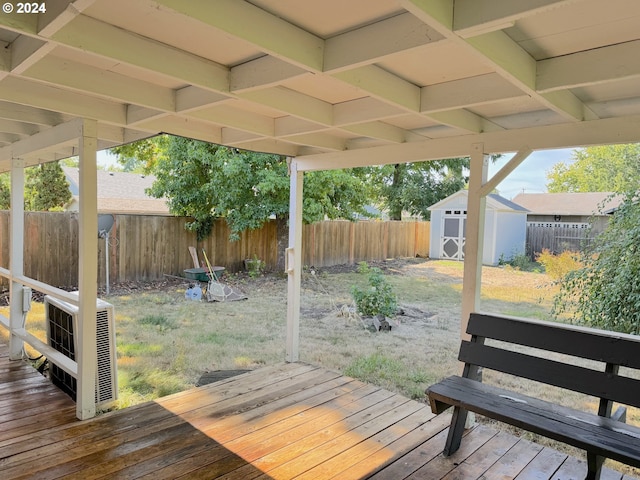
(453, 234)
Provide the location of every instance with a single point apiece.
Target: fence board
(143, 248)
(556, 238)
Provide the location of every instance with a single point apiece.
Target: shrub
(558, 266)
(377, 298)
(605, 291)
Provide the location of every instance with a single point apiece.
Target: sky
(530, 176)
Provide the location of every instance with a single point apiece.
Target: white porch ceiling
(334, 82)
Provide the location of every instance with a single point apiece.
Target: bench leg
(594, 465)
(455, 431)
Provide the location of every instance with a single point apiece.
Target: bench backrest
(612, 349)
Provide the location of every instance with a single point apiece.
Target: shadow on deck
(280, 422)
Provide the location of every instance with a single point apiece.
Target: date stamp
(19, 7)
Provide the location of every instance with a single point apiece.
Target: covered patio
(329, 84)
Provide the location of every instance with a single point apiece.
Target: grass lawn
(166, 342)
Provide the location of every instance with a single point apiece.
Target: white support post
(294, 262)
(16, 314)
(472, 277)
(86, 356)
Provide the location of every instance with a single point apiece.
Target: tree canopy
(141, 156)
(605, 292)
(414, 187)
(207, 181)
(607, 168)
(46, 188)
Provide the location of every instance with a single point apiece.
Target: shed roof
(334, 83)
(583, 204)
(494, 202)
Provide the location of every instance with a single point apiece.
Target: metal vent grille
(61, 325)
(104, 383)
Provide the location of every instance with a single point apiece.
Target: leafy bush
(605, 292)
(558, 266)
(378, 297)
(520, 262)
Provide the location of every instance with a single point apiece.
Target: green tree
(414, 187)
(605, 292)
(607, 168)
(207, 181)
(46, 187)
(141, 156)
(5, 192)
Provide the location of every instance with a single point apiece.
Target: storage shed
(504, 231)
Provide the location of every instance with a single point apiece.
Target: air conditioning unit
(62, 325)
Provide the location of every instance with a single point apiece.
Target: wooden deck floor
(280, 422)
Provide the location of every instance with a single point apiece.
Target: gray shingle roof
(567, 203)
(121, 192)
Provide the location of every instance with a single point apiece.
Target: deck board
(282, 421)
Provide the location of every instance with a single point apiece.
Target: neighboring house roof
(568, 203)
(120, 192)
(494, 202)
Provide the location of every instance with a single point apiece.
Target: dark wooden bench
(602, 434)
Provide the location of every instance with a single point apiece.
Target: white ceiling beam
(236, 118)
(321, 140)
(39, 95)
(17, 128)
(293, 103)
(363, 110)
(184, 127)
(26, 51)
(250, 23)
(60, 135)
(372, 43)
(24, 113)
(103, 83)
(465, 120)
(19, 22)
(575, 134)
(383, 85)
(289, 125)
(262, 72)
(59, 13)
(94, 36)
(476, 17)
(379, 130)
(137, 114)
(467, 92)
(498, 49)
(114, 135)
(270, 145)
(8, 138)
(392, 89)
(595, 66)
(231, 136)
(193, 98)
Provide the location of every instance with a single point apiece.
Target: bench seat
(595, 363)
(599, 435)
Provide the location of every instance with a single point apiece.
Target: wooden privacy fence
(143, 248)
(556, 237)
